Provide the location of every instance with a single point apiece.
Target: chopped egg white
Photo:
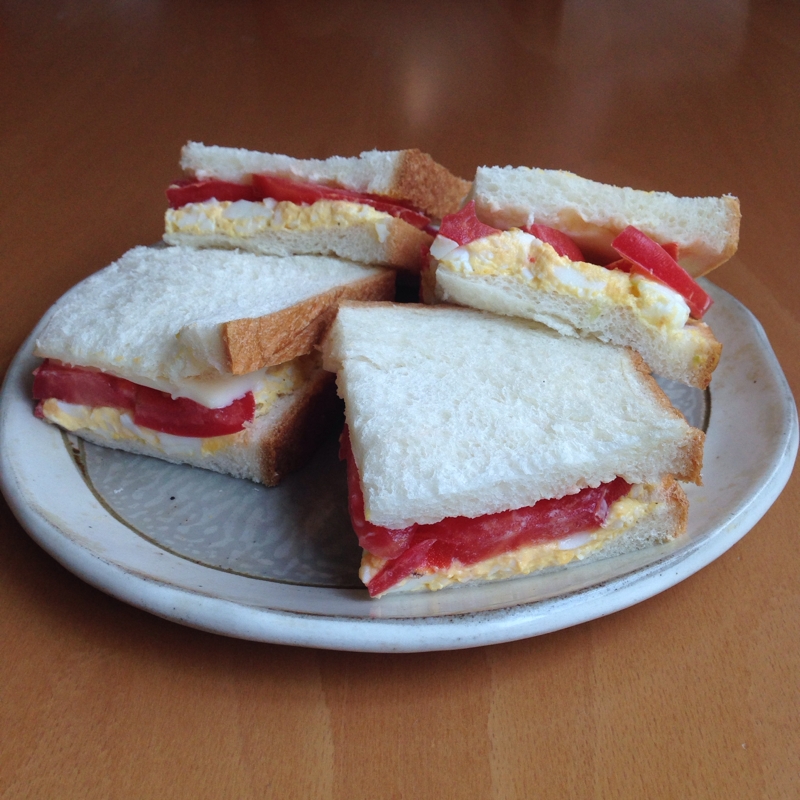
(442, 246)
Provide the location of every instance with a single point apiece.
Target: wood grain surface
(694, 693)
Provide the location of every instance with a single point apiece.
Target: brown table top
(692, 693)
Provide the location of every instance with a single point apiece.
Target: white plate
(279, 565)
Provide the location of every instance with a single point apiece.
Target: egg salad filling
(622, 515)
(118, 425)
(245, 218)
(521, 257)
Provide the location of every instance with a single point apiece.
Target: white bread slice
(269, 448)
(164, 316)
(456, 412)
(347, 230)
(407, 176)
(647, 516)
(706, 229)
(514, 274)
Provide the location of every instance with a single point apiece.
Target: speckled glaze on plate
(279, 565)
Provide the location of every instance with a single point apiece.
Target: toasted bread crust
(701, 375)
(677, 499)
(428, 186)
(692, 450)
(251, 344)
(407, 248)
(732, 244)
(298, 433)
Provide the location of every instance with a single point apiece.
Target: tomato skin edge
(464, 226)
(651, 260)
(561, 242)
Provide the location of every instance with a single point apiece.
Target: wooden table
(691, 694)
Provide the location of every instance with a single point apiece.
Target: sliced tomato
(188, 191)
(285, 189)
(183, 417)
(650, 259)
(382, 542)
(470, 540)
(152, 409)
(672, 249)
(623, 264)
(416, 558)
(560, 242)
(299, 192)
(464, 226)
(82, 386)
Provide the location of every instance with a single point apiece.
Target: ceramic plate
(280, 565)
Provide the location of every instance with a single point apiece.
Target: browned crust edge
(253, 343)
(692, 448)
(732, 243)
(428, 186)
(676, 497)
(700, 377)
(301, 428)
(406, 246)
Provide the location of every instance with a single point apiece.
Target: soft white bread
(455, 412)
(514, 274)
(163, 317)
(271, 446)
(347, 230)
(649, 515)
(706, 229)
(407, 176)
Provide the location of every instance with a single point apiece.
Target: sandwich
(590, 260)
(376, 208)
(482, 447)
(202, 357)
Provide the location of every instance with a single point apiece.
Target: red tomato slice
(151, 408)
(469, 540)
(671, 248)
(183, 417)
(382, 542)
(82, 386)
(650, 259)
(560, 242)
(298, 192)
(464, 226)
(417, 557)
(623, 264)
(187, 191)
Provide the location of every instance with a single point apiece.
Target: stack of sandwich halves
(507, 424)
(205, 351)
(512, 424)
